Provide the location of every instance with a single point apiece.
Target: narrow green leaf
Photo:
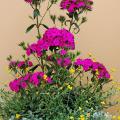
(45, 26)
(30, 28)
(34, 68)
(31, 17)
(53, 18)
(76, 16)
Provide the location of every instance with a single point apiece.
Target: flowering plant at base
(55, 87)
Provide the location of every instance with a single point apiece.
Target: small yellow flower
(118, 117)
(113, 70)
(103, 103)
(69, 87)
(97, 73)
(82, 117)
(114, 117)
(118, 88)
(90, 54)
(18, 116)
(45, 77)
(114, 83)
(72, 70)
(27, 69)
(71, 118)
(94, 59)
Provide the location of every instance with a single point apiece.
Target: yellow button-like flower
(118, 88)
(45, 77)
(113, 70)
(69, 87)
(97, 72)
(27, 69)
(118, 117)
(90, 54)
(115, 83)
(114, 117)
(82, 117)
(72, 70)
(94, 59)
(103, 103)
(18, 116)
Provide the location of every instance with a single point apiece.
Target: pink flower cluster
(64, 62)
(23, 64)
(53, 37)
(88, 64)
(22, 82)
(28, 1)
(20, 64)
(73, 5)
(63, 52)
(12, 64)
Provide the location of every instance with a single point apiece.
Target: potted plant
(59, 85)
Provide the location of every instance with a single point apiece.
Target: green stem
(37, 19)
(77, 75)
(36, 58)
(42, 64)
(45, 13)
(37, 24)
(71, 23)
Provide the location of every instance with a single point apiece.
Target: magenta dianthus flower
(14, 85)
(65, 62)
(35, 79)
(62, 38)
(12, 64)
(73, 5)
(78, 62)
(23, 64)
(103, 73)
(63, 52)
(28, 1)
(88, 64)
(53, 37)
